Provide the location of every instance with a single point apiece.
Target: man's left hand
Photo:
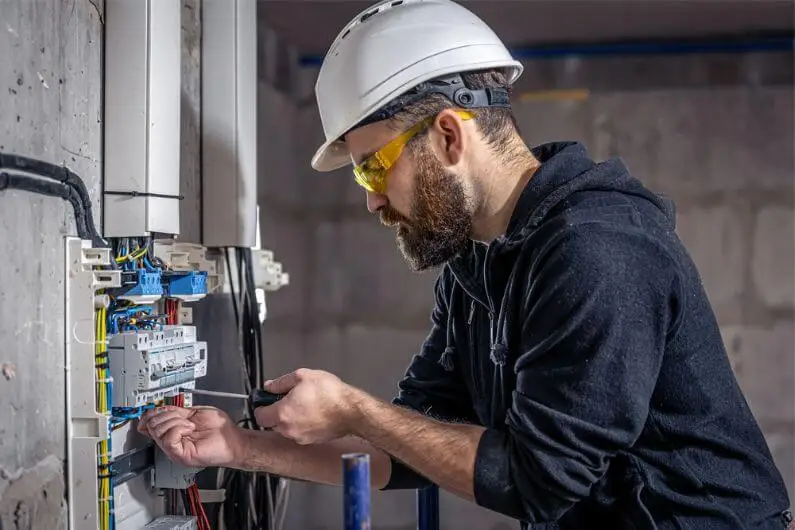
(317, 407)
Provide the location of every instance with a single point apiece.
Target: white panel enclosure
(229, 123)
(142, 117)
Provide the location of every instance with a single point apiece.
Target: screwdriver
(257, 398)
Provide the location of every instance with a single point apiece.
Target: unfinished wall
(715, 133)
(49, 109)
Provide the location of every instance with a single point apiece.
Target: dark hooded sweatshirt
(584, 342)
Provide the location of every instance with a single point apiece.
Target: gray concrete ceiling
(311, 25)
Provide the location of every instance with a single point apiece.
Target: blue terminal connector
(185, 284)
(147, 284)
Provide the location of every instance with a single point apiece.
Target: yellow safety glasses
(372, 173)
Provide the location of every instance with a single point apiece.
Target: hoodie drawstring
(499, 350)
(446, 360)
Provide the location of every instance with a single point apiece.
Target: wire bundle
(67, 186)
(136, 253)
(250, 501)
(171, 309)
(172, 495)
(104, 396)
(194, 507)
(191, 500)
(129, 254)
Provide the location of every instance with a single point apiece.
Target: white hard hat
(391, 48)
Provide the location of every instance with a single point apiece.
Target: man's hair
(496, 124)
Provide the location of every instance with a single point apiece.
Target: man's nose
(375, 201)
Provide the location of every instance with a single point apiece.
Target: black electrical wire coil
(243, 510)
(51, 189)
(77, 194)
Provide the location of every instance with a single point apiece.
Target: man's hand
(317, 407)
(193, 437)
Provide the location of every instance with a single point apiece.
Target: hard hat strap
(452, 87)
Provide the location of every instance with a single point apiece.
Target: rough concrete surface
(190, 132)
(50, 108)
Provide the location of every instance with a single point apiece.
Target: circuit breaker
(148, 366)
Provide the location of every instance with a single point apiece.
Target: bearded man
(574, 375)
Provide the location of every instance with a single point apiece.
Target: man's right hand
(194, 437)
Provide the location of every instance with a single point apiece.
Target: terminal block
(148, 366)
(173, 522)
(183, 257)
(187, 286)
(140, 286)
(269, 275)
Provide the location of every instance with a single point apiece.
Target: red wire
(171, 307)
(195, 507)
(204, 523)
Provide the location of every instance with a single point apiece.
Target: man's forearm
(442, 452)
(271, 453)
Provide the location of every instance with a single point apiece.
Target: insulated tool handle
(263, 398)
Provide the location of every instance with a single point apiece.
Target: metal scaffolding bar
(356, 491)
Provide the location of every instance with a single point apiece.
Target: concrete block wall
(723, 153)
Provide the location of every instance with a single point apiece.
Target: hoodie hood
(565, 169)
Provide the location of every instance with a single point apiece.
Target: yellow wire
(134, 255)
(102, 374)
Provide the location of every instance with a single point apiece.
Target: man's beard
(440, 222)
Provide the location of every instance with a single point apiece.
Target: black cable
(231, 286)
(51, 189)
(63, 175)
(186, 502)
(150, 252)
(237, 507)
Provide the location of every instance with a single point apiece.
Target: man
(574, 374)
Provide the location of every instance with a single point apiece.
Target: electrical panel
(126, 335)
(130, 343)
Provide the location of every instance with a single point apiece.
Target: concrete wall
(50, 108)
(50, 54)
(720, 144)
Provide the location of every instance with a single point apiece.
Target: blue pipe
(760, 44)
(356, 491)
(428, 508)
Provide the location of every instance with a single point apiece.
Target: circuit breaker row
(148, 366)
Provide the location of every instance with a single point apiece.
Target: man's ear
(450, 140)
